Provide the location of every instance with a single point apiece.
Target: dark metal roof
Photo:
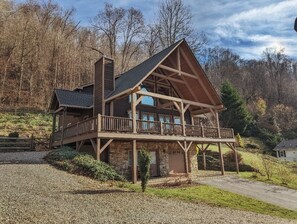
(286, 144)
(74, 99)
(131, 78)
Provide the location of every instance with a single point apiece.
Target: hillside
(26, 124)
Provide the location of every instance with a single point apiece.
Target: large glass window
(147, 100)
(147, 117)
(176, 120)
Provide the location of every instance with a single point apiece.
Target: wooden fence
(12, 144)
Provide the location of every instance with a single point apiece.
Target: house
(165, 104)
(287, 150)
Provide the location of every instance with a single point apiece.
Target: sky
(247, 27)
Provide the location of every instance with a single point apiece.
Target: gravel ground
(39, 193)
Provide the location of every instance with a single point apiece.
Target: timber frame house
(165, 104)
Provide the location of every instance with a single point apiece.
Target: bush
(239, 140)
(87, 165)
(230, 158)
(63, 153)
(144, 167)
(268, 167)
(70, 160)
(13, 134)
(285, 175)
(252, 146)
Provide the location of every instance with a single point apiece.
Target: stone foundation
(119, 156)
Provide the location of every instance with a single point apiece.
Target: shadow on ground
(102, 191)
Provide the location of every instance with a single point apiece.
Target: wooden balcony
(110, 127)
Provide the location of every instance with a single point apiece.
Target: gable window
(147, 100)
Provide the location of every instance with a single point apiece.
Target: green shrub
(285, 175)
(252, 145)
(268, 167)
(144, 167)
(87, 165)
(230, 158)
(239, 140)
(70, 160)
(63, 153)
(13, 134)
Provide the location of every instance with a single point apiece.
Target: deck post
(186, 157)
(32, 143)
(219, 144)
(236, 159)
(99, 123)
(63, 126)
(182, 118)
(204, 157)
(53, 130)
(134, 162)
(98, 147)
(133, 109)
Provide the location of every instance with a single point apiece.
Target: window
(147, 117)
(164, 118)
(152, 153)
(164, 90)
(147, 100)
(130, 114)
(282, 153)
(176, 120)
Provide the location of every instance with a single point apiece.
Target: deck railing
(125, 125)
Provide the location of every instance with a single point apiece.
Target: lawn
(26, 124)
(217, 197)
(283, 173)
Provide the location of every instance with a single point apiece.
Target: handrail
(125, 125)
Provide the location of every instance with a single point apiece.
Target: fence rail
(125, 125)
(9, 144)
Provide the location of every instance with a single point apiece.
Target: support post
(53, 131)
(32, 143)
(182, 118)
(63, 126)
(221, 159)
(236, 159)
(134, 162)
(98, 147)
(204, 157)
(99, 123)
(133, 109)
(186, 157)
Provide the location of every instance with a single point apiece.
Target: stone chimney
(104, 83)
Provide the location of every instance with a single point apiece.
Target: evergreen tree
(236, 115)
(144, 167)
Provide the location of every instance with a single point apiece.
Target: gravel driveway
(277, 195)
(39, 193)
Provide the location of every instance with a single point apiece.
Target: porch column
(134, 162)
(133, 109)
(182, 118)
(204, 157)
(53, 130)
(63, 126)
(98, 148)
(219, 144)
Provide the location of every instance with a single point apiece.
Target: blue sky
(246, 26)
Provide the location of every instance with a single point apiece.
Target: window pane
(176, 120)
(147, 100)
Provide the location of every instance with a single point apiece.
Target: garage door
(176, 161)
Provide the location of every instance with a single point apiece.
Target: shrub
(285, 175)
(144, 167)
(13, 134)
(252, 145)
(268, 167)
(63, 153)
(239, 140)
(229, 157)
(70, 160)
(86, 164)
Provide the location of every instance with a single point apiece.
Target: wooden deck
(110, 127)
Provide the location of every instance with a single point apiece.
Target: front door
(154, 168)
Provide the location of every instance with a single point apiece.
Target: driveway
(273, 194)
(39, 193)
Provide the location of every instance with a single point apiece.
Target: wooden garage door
(176, 161)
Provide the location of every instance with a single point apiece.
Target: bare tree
(175, 22)
(109, 22)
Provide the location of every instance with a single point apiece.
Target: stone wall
(119, 155)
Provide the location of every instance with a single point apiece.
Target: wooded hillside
(42, 47)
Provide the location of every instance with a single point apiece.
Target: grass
(26, 124)
(283, 173)
(219, 198)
